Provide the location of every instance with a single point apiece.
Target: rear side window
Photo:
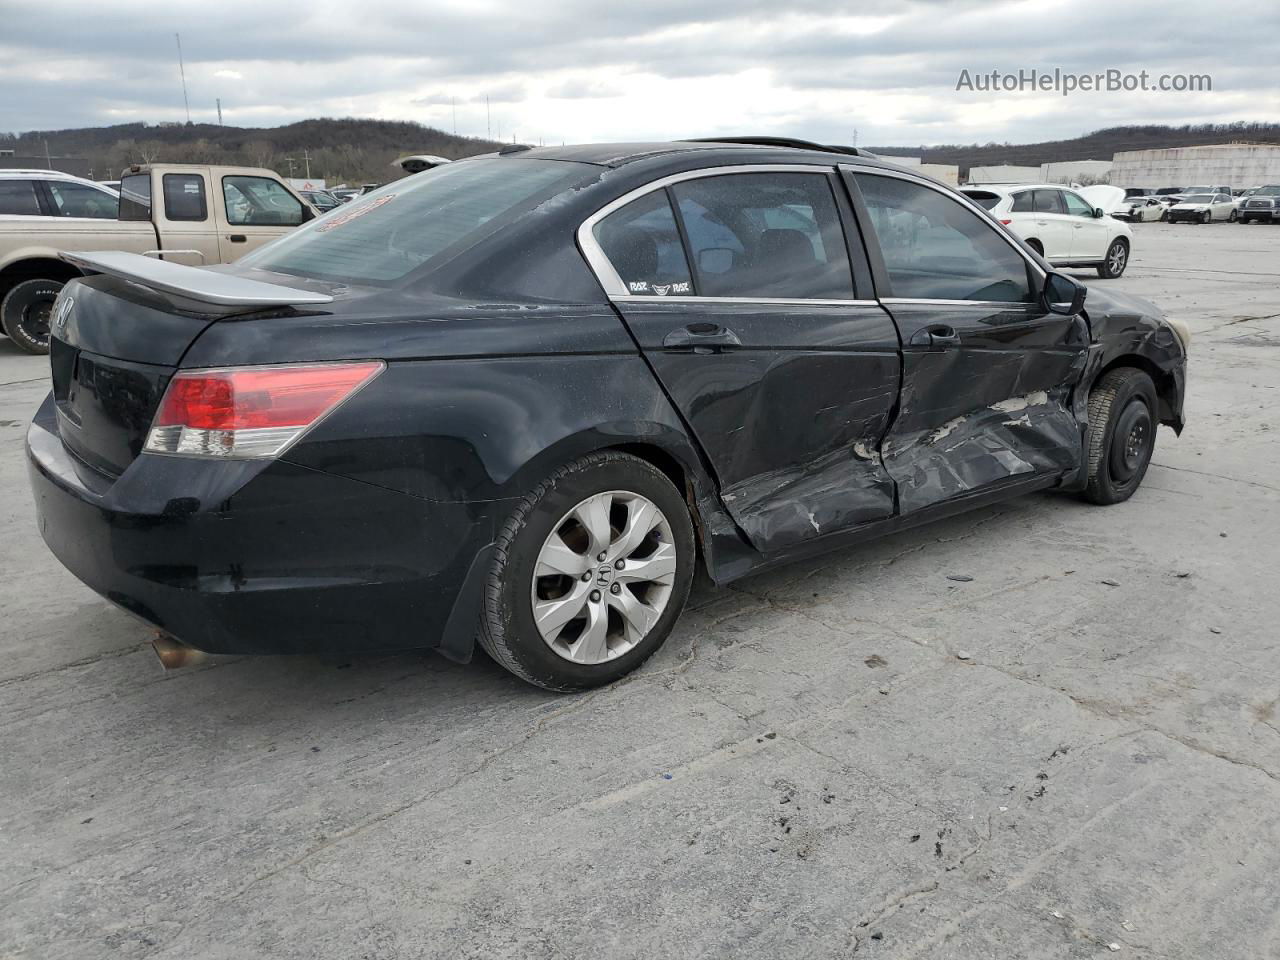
(767, 235)
(260, 202)
(1048, 201)
(983, 198)
(643, 244)
(1023, 202)
(135, 197)
(18, 197)
(935, 248)
(383, 236)
(184, 197)
(79, 200)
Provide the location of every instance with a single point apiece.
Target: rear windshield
(983, 198)
(383, 236)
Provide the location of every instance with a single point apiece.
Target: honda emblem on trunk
(60, 314)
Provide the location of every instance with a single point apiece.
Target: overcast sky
(580, 70)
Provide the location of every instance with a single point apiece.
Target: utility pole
(306, 158)
(218, 101)
(182, 72)
(48, 160)
(453, 102)
(488, 123)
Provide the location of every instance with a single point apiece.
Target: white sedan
(1204, 208)
(1060, 224)
(1139, 209)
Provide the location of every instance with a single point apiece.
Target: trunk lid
(116, 342)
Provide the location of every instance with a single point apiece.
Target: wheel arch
(1165, 383)
(35, 268)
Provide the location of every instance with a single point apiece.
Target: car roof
(1012, 187)
(731, 149)
(7, 172)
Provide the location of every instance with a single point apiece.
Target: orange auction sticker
(348, 215)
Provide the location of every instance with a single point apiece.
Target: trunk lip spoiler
(193, 283)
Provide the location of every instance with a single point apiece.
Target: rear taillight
(250, 411)
(1006, 222)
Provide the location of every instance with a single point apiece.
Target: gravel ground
(1074, 753)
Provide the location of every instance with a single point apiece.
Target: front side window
(765, 235)
(642, 243)
(79, 200)
(1076, 206)
(18, 198)
(935, 248)
(260, 202)
(184, 197)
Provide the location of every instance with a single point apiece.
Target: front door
(254, 211)
(782, 365)
(1089, 233)
(988, 373)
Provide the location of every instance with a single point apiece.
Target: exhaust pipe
(173, 653)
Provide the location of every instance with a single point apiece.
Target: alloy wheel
(1116, 259)
(603, 577)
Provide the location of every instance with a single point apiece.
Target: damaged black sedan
(516, 399)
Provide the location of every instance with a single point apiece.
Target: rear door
(1051, 220)
(738, 287)
(253, 210)
(987, 373)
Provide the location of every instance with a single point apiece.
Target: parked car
(1207, 189)
(1263, 204)
(1140, 209)
(1060, 225)
(48, 193)
(518, 399)
(344, 194)
(1203, 208)
(203, 213)
(322, 200)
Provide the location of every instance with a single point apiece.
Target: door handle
(237, 237)
(701, 338)
(937, 337)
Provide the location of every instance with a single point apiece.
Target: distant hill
(362, 150)
(339, 150)
(1099, 145)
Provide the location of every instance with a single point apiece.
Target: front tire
(1122, 434)
(1206, 217)
(1233, 216)
(25, 312)
(1114, 263)
(590, 574)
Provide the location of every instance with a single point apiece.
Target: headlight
(1182, 331)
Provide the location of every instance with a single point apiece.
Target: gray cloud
(817, 69)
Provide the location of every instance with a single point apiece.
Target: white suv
(1060, 225)
(48, 193)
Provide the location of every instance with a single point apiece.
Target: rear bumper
(264, 557)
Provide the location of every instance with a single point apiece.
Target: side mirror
(1098, 213)
(1063, 295)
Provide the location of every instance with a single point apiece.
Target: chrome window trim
(972, 303)
(960, 198)
(779, 301)
(613, 284)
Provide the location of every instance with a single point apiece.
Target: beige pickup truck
(188, 213)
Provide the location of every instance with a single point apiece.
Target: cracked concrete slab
(807, 769)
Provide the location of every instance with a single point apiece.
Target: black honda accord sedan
(517, 399)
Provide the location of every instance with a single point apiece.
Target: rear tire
(1233, 216)
(610, 632)
(25, 312)
(1122, 434)
(1036, 246)
(1117, 258)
